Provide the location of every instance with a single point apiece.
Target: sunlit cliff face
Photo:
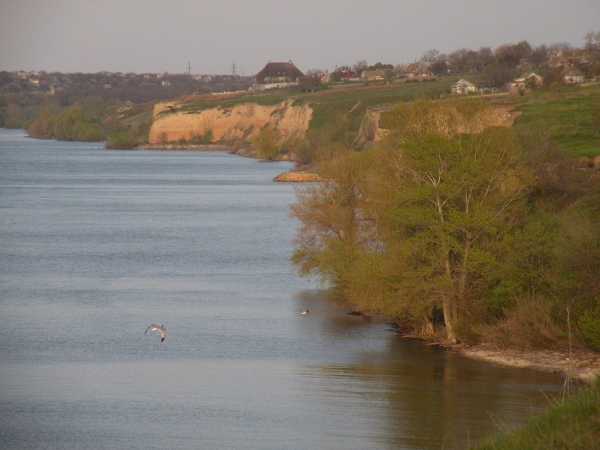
(239, 122)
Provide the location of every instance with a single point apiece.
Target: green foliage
(448, 215)
(570, 423)
(335, 77)
(202, 139)
(528, 268)
(589, 324)
(267, 143)
(14, 116)
(40, 127)
(75, 124)
(122, 141)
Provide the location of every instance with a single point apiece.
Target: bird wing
(152, 327)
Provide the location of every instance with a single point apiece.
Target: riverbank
(581, 365)
(284, 177)
(211, 147)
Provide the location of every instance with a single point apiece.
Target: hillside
(569, 117)
(229, 121)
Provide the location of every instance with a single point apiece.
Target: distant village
(509, 67)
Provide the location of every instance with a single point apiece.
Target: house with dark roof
(278, 72)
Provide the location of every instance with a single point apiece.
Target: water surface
(95, 245)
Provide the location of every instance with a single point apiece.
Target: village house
(568, 57)
(276, 75)
(278, 72)
(463, 87)
(373, 75)
(529, 80)
(347, 74)
(573, 76)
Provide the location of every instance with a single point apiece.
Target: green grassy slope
(571, 117)
(570, 424)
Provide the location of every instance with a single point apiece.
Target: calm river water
(95, 245)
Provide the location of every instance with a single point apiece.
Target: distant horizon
(145, 36)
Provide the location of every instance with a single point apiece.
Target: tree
(458, 197)
(498, 74)
(457, 60)
(15, 117)
(440, 66)
(39, 128)
(331, 231)
(430, 56)
(67, 125)
(360, 66)
(93, 105)
(412, 226)
(512, 54)
(592, 45)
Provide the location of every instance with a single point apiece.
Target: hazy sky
(166, 35)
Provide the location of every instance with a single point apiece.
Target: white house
(573, 76)
(463, 87)
(529, 80)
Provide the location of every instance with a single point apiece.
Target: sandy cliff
(227, 124)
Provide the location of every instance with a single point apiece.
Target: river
(95, 245)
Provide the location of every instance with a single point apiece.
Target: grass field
(570, 424)
(571, 117)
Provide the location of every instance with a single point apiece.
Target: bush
(202, 139)
(589, 324)
(527, 326)
(88, 132)
(266, 143)
(121, 141)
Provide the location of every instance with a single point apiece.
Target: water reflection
(411, 395)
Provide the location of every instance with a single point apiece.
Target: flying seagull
(160, 328)
(302, 311)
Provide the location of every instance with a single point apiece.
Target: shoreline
(583, 365)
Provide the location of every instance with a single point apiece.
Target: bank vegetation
(454, 224)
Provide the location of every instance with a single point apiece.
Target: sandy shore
(184, 147)
(582, 365)
(297, 177)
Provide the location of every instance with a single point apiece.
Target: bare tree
(360, 66)
(430, 56)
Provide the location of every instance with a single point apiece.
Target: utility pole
(233, 71)
(189, 69)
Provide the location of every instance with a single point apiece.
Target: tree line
(454, 224)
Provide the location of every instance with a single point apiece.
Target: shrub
(88, 132)
(122, 141)
(529, 325)
(589, 324)
(266, 143)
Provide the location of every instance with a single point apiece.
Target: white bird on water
(160, 328)
(302, 311)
